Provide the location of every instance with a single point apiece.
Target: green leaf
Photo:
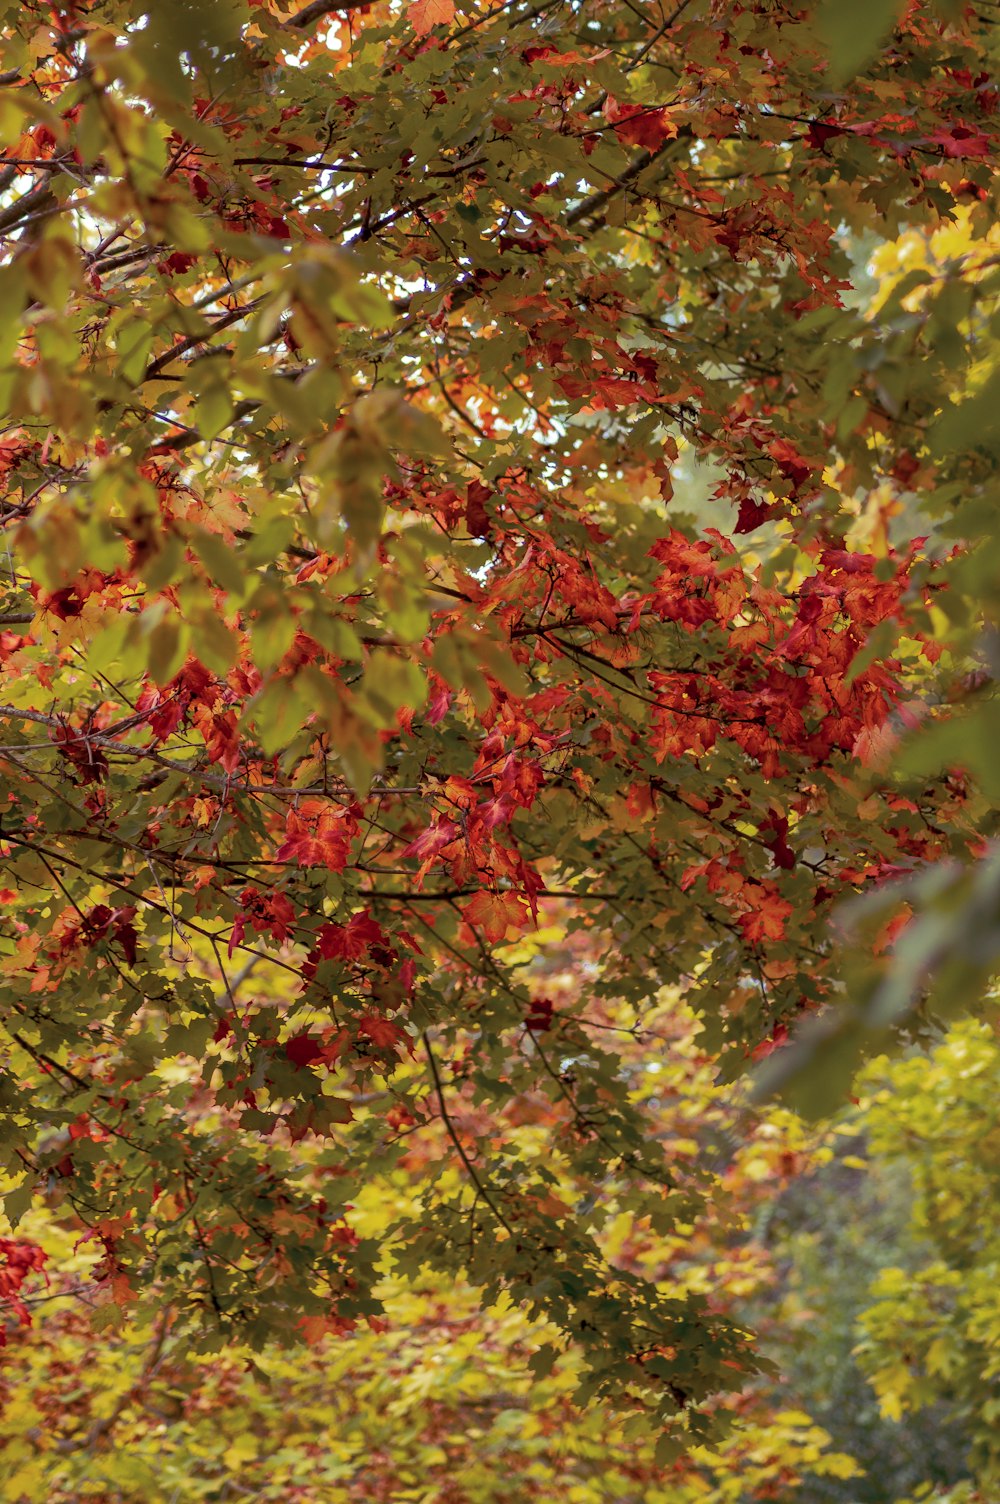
(854, 30)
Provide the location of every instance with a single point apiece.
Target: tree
(379, 738)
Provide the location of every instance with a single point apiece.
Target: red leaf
(351, 941)
(639, 125)
(752, 514)
(302, 1049)
(766, 921)
(959, 141)
(820, 132)
(381, 1031)
(768, 1046)
(477, 519)
(539, 1019)
(317, 838)
(222, 740)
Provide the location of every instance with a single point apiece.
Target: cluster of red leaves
(20, 1261)
(780, 688)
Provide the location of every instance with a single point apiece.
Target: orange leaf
(495, 912)
(426, 14)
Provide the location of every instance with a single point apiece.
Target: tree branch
(453, 1135)
(597, 201)
(320, 8)
(37, 200)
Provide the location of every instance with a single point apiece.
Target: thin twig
(453, 1135)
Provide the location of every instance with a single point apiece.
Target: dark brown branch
(223, 322)
(453, 1135)
(320, 8)
(37, 200)
(596, 202)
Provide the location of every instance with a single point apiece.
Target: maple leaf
(224, 1027)
(775, 1040)
(873, 745)
(477, 519)
(125, 933)
(381, 1031)
(961, 141)
(640, 125)
(766, 921)
(315, 1328)
(222, 740)
(20, 1259)
(302, 1049)
(431, 843)
(775, 832)
(267, 912)
(790, 462)
(753, 513)
(495, 913)
(316, 839)
(822, 131)
(426, 14)
(351, 941)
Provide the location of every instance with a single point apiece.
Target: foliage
(885, 1321)
(935, 1332)
(448, 1403)
(933, 927)
(377, 742)
(826, 1264)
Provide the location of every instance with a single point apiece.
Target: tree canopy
(498, 506)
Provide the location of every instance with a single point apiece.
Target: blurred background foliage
(863, 1251)
(887, 1322)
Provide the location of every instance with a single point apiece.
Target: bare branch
(320, 8)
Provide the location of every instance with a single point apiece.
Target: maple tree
(354, 640)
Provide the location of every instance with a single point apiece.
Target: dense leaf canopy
(384, 726)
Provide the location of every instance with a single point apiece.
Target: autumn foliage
(480, 556)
